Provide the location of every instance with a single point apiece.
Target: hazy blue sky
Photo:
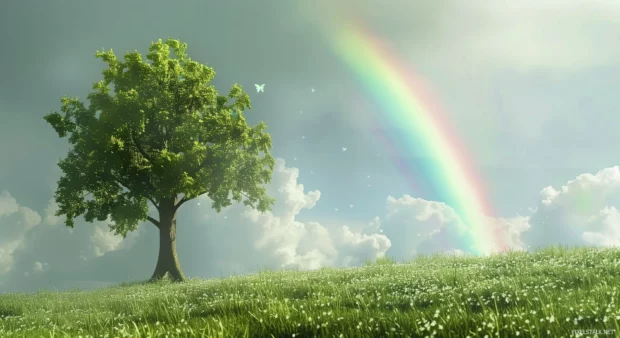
(529, 87)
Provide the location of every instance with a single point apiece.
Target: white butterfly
(303, 137)
(260, 88)
(198, 203)
(336, 209)
(351, 205)
(313, 90)
(344, 149)
(381, 230)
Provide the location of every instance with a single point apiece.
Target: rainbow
(404, 103)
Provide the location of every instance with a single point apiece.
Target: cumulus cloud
(417, 226)
(39, 247)
(237, 240)
(15, 222)
(243, 240)
(277, 239)
(582, 212)
(609, 232)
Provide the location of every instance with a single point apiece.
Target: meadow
(548, 293)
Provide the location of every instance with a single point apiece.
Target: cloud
(15, 222)
(277, 239)
(417, 226)
(545, 35)
(609, 231)
(237, 240)
(527, 35)
(43, 247)
(243, 240)
(40, 267)
(582, 212)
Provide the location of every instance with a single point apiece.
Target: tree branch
(200, 166)
(154, 221)
(147, 157)
(125, 186)
(140, 149)
(153, 202)
(182, 201)
(185, 199)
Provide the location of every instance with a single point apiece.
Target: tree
(158, 132)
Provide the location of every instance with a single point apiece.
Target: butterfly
(351, 205)
(260, 88)
(336, 209)
(313, 90)
(344, 149)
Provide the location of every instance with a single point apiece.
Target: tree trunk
(167, 261)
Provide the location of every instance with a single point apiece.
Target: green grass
(548, 293)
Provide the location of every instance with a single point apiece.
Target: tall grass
(549, 293)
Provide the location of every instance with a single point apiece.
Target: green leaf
(154, 129)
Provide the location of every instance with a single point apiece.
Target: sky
(528, 88)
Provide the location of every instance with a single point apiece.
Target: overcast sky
(530, 87)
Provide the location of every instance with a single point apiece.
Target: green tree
(158, 132)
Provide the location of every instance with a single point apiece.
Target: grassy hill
(549, 293)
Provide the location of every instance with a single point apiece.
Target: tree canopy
(156, 130)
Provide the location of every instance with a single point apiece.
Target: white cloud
(609, 233)
(276, 239)
(417, 226)
(582, 212)
(15, 222)
(237, 240)
(40, 267)
(104, 240)
(512, 228)
(549, 35)
(521, 35)
(8, 204)
(101, 240)
(241, 240)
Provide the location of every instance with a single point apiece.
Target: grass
(548, 293)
